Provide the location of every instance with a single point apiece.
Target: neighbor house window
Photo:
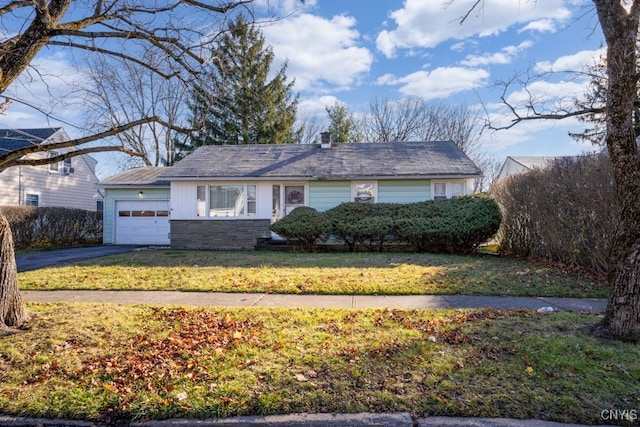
(439, 190)
(226, 201)
(53, 167)
(32, 200)
(66, 167)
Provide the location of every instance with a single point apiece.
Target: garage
(142, 222)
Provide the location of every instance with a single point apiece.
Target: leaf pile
(196, 335)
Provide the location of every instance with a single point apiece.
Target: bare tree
(176, 30)
(619, 20)
(418, 120)
(123, 91)
(394, 120)
(415, 119)
(308, 126)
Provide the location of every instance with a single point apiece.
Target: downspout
(20, 199)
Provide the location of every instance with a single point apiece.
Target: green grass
(325, 273)
(110, 363)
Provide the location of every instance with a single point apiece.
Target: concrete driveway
(55, 257)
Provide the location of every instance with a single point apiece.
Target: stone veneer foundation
(218, 234)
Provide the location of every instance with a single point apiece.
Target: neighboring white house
(71, 183)
(227, 196)
(520, 164)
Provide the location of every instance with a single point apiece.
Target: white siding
(184, 198)
(74, 190)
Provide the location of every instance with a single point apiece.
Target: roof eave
(324, 178)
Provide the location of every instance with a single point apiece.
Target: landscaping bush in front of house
(303, 227)
(364, 224)
(456, 225)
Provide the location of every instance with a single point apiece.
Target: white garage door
(142, 222)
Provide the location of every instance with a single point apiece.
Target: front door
(286, 197)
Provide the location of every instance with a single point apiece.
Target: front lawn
(115, 363)
(324, 273)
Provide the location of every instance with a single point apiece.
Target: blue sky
(353, 51)
(357, 50)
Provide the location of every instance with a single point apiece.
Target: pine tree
(342, 125)
(241, 106)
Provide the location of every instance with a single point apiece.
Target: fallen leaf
(110, 387)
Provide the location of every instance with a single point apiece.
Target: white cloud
(505, 56)
(440, 82)
(426, 24)
(547, 96)
(578, 62)
(316, 106)
(320, 51)
(541, 26)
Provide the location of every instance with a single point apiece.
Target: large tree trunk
(13, 315)
(620, 27)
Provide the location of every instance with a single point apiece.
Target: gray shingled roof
(146, 176)
(15, 139)
(342, 161)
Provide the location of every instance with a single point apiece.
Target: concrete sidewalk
(204, 299)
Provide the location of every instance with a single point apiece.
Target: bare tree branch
(13, 6)
(13, 158)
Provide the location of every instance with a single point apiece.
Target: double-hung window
(448, 189)
(53, 167)
(226, 201)
(32, 200)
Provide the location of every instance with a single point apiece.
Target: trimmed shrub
(303, 227)
(22, 220)
(456, 225)
(363, 224)
(52, 226)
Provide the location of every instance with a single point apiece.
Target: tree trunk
(620, 27)
(13, 315)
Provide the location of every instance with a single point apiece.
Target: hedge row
(52, 226)
(566, 212)
(456, 225)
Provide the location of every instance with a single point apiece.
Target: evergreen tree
(241, 106)
(342, 125)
